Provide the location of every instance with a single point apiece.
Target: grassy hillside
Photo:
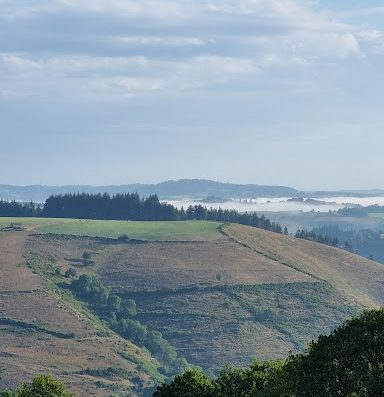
(196, 230)
(44, 330)
(217, 297)
(356, 277)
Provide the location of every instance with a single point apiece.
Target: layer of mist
(273, 204)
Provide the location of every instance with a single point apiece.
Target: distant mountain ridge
(167, 190)
(193, 188)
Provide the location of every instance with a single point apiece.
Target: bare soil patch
(14, 276)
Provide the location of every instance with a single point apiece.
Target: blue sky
(282, 92)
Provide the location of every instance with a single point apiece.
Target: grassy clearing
(159, 230)
(35, 222)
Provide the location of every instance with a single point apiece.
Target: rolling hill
(218, 293)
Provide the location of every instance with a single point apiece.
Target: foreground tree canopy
(41, 386)
(349, 363)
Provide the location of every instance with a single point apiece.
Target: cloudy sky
(285, 92)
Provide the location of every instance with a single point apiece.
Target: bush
(132, 329)
(123, 238)
(128, 308)
(90, 288)
(87, 258)
(70, 273)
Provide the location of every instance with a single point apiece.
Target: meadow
(152, 231)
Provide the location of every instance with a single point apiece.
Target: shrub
(123, 238)
(70, 273)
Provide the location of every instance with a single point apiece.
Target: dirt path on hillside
(15, 276)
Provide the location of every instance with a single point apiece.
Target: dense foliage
(16, 209)
(258, 380)
(349, 362)
(318, 237)
(131, 207)
(41, 386)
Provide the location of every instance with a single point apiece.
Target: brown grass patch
(13, 276)
(351, 274)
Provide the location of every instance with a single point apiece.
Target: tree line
(17, 209)
(129, 206)
(120, 314)
(320, 238)
(360, 211)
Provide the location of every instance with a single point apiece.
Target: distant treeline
(317, 237)
(129, 206)
(361, 211)
(364, 242)
(16, 209)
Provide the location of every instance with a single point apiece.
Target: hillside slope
(357, 277)
(222, 298)
(245, 293)
(47, 332)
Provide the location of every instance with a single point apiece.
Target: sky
(277, 92)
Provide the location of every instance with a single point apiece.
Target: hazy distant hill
(191, 188)
(194, 188)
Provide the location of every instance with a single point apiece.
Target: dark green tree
(191, 383)
(348, 362)
(41, 386)
(260, 379)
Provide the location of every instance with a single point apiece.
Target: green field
(160, 231)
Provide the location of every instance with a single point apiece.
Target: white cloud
(373, 40)
(124, 86)
(371, 35)
(350, 43)
(181, 44)
(219, 64)
(160, 41)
